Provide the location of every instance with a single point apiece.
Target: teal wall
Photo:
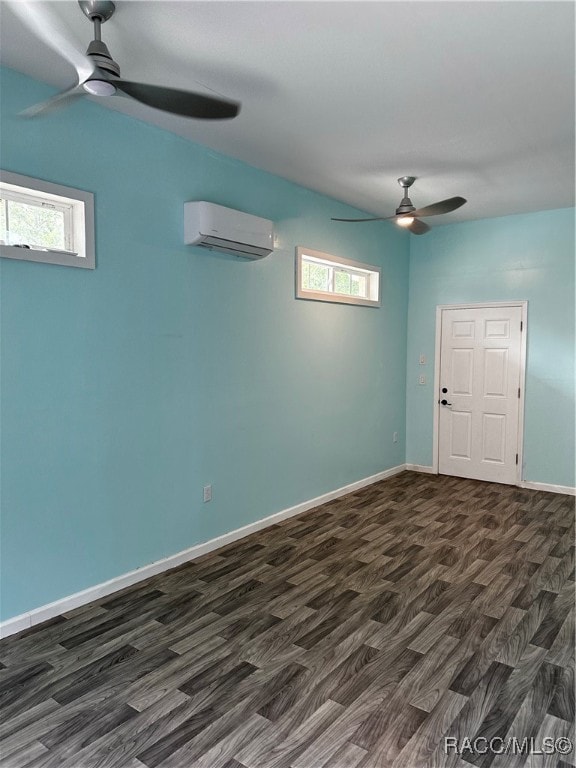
(528, 257)
(126, 389)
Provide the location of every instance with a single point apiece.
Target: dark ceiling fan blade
(184, 103)
(444, 206)
(53, 103)
(418, 227)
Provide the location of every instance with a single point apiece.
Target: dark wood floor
(361, 634)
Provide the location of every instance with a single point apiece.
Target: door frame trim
(437, 347)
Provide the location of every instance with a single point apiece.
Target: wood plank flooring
(376, 631)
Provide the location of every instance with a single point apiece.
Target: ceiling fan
(99, 74)
(408, 216)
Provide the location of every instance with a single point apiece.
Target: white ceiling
(473, 98)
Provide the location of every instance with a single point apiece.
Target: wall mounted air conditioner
(224, 229)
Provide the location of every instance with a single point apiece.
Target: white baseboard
(65, 604)
(567, 489)
(421, 468)
(522, 484)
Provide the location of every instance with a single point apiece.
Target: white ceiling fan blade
(53, 103)
(39, 21)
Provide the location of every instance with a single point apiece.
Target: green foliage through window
(322, 277)
(33, 225)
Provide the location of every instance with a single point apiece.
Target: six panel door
(479, 393)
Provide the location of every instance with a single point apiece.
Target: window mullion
(68, 229)
(7, 219)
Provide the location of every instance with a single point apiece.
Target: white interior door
(479, 411)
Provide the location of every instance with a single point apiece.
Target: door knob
(445, 402)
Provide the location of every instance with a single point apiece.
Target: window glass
(322, 277)
(40, 226)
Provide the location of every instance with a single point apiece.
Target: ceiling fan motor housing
(405, 206)
(100, 55)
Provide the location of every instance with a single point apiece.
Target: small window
(322, 277)
(41, 221)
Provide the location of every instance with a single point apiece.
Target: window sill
(48, 256)
(335, 298)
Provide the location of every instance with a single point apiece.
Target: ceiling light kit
(408, 216)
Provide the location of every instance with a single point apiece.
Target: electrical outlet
(395, 437)
(207, 493)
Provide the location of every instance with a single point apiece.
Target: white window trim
(336, 298)
(80, 205)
